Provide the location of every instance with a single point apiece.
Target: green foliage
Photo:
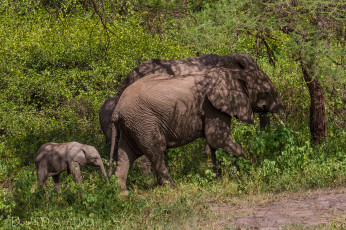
(59, 61)
(92, 204)
(56, 74)
(285, 162)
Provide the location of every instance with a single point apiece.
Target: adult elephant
(172, 67)
(159, 112)
(193, 65)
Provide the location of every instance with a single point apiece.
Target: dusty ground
(308, 209)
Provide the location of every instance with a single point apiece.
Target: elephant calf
(54, 158)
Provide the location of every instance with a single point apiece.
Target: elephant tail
(114, 141)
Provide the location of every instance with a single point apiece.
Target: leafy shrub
(58, 64)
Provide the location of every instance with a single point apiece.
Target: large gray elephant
(54, 158)
(172, 67)
(180, 67)
(159, 112)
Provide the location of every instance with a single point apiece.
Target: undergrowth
(290, 166)
(58, 64)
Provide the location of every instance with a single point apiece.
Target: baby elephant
(54, 158)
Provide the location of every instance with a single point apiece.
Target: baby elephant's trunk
(103, 170)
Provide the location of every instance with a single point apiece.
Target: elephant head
(261, 91)
(241, 93)
(88, 155)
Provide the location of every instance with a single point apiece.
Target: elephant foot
(171, 185)
(41, 187)
(124, 192)
(166, 183)
(217, 170)
(57, 187)
(145, 166)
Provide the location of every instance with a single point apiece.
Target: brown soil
(308, 209)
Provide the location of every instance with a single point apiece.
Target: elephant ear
(80, 157)
(228, 93)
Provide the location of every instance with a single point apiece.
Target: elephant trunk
(103, 170)
(113, 140)
(264, 121)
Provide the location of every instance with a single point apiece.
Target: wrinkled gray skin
(194, 65)
(159, 112)
(54, 158)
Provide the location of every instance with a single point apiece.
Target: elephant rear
(157, 104)
(51, 158)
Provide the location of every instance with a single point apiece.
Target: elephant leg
(145, 165)
(227, 144)
(56, 182)
(126, 156)
(41, 180)
(207, 150)
(156, 157)
(216, 163)
(42, 176)
(155, 151)
(75, 171)
(264, 121)
(161, 170)
(217, 133)
(218, 136)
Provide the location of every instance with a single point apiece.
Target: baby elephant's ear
(80, 157)
(228, 94)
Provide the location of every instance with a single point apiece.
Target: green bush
(58, 64)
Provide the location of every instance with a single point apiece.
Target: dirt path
(305, 209)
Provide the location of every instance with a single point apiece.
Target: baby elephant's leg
(41, 176)
(56, 182)
(75, 170)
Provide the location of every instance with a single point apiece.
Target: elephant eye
(263, 94)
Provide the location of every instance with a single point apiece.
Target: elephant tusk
(279, 120)
(283, 124)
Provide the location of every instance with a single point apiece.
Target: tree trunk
(318, 126)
